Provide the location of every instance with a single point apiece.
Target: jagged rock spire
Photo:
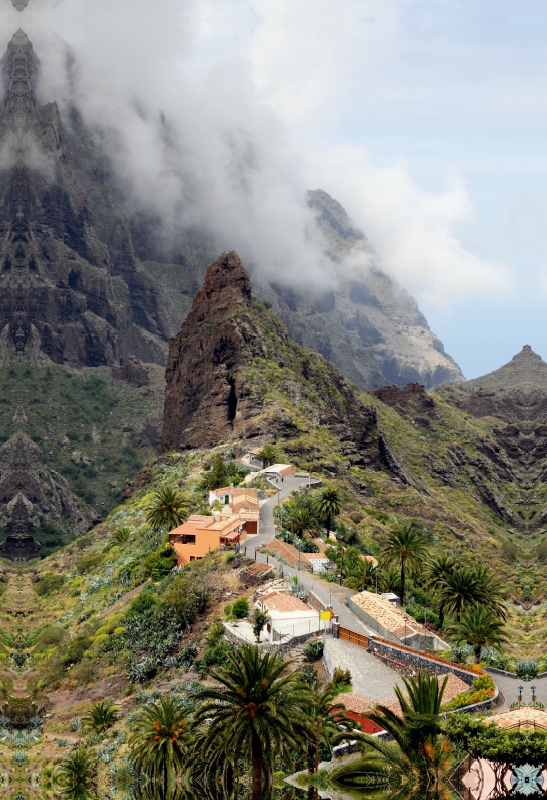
(20, 65)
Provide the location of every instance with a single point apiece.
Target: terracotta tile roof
(454, 686)
(358, 703)
(392, 618)
(284, 603)
(256, 568)
(223, 490)
(526, 716)
(290, 554)
(249, 516)
(245, 498)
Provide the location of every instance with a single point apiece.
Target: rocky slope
(63, 298)
(219, 386)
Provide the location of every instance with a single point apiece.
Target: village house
(288, 614)
(280, 470)
(311, 562)
(239, 501)
(393, 623)
(202, 534)
(252, 459)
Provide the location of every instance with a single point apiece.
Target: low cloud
(210, 112)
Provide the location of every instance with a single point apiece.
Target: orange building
(202, 534)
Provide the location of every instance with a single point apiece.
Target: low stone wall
(417, 661)
(271, 647)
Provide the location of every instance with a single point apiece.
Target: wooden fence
(364, 641)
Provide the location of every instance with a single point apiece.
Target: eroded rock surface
(217, 389)
(29, 494)
(61, 296)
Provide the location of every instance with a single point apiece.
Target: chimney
(216, 515)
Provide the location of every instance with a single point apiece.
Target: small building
(222, 496)
(394, 623)
(311, 562)
(202, 534)
(252, 459)
(246, 505)
(280, 470)
(288, 614)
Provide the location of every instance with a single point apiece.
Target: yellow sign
(326, 615)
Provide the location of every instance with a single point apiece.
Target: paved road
(267, 526)
(329, 593)
(508, 686)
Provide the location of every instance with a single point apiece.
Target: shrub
(53, 635)
(48, 584)
(240, 608)
(341, 677)
(313, 651)
(83, 542)
(144, 602)
(100, 717)
(484, 682)
(76, 649)
(87, 563)
(159, 564)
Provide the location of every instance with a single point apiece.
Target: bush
(48, 584)
(313, 651)
(141, 604)
(87, 563)
(240, 608)
(484, 682)
(341, 677)
(76, 650)
(159, 564)
(83, 542)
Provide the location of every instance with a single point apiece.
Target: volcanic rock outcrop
(515, 396)
(29, 494)
(61, 296)
(234, 373)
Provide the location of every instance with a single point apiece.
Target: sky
(426, 119)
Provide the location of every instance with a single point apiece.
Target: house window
(187, 538)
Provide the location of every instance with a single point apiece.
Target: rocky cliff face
(234, 373)
(61, 296)
(514, 397)
(368, 326)
(30, 493)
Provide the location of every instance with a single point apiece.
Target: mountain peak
(526, 370)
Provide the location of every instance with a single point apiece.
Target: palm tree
(256, 714)
(415, 755)
(459, 590)
(77, 776)
(436, 572)
(158, 742)
(167, 510)
(494, 596)
(121, 536)
(480, 627)
(389, 578)
(302, 521)
(361, 575)
(268, 455)
(327, 504)
(327, 719)
(100, 717)
(406, 545)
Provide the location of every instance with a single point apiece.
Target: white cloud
(252, 92)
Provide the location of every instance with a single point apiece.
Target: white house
(288, 614)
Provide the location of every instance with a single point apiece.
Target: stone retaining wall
(417, 661)
(271, 647)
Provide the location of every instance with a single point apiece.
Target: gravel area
(370, 676)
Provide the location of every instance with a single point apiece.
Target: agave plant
(100, 717)
(77, 776)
